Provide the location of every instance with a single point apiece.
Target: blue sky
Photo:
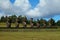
(31, 8)
(12, 1)
(34, 3)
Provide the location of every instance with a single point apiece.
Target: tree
(20, 18)
(43, 22)
(5, 18)
(51, 22)
(13, 18)
(58, 23)
(38, 20)
(2, 19)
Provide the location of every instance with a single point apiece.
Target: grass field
(12, 25)
(31, 35)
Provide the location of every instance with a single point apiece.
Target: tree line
(42, 21)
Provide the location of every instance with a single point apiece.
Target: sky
(31, 8)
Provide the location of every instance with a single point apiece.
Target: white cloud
(33, 13)
(46, 8)
(24, 4)
(5, 4)
(42, 3)
(19, 7)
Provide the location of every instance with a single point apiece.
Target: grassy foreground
(30, 35)
(12, 25)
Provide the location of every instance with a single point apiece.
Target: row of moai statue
(8, 23)
(24, 23)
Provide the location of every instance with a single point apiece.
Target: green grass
(39, 34)
(30, 35)
(12, 25)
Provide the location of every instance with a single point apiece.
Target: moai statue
(24, 23)
(31, 23)
(17, 23)
(44, 24)
(38, 24)
(49, 25)
(8, 22)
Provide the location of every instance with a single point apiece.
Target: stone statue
(44, 24)
(17, 23)
(31, 23)
(38, 23)
(8, 22)
(24, 22)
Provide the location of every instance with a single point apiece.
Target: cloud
(5, 4)
(45, 8)
(23, 4)
(33, 12)
(20, 7)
